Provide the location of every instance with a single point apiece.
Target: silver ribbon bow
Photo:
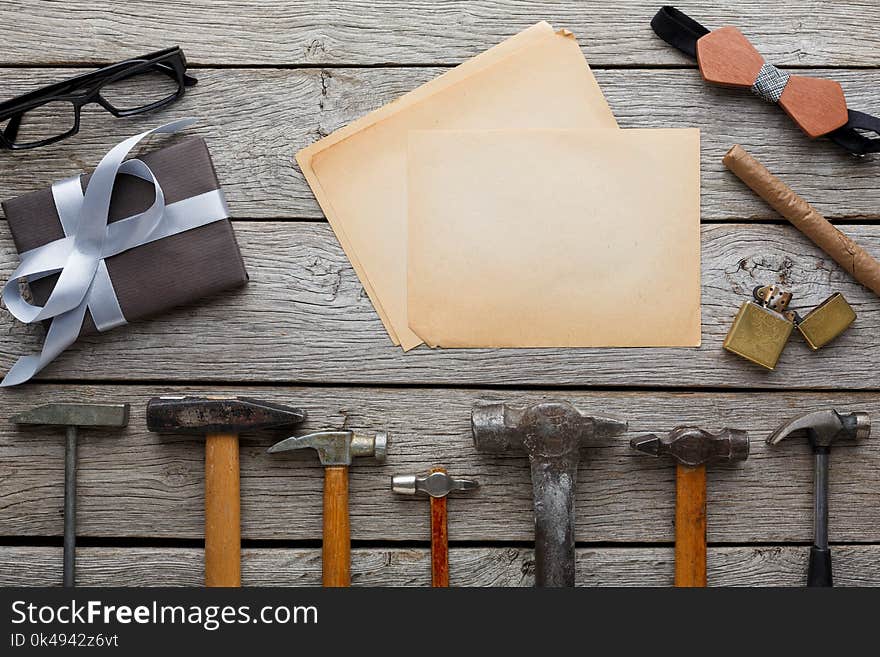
(84, 283)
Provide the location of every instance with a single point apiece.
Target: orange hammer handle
(222, 511)
(337, 529)
(690, 525)
(439, 543)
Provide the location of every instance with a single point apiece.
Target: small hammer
(73, 416)
(551, 434)
(692, 449)
(437, 485)
(336, 450)
(822, 428)
(220, 420)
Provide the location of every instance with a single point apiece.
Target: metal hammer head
(543, 430)
(337, 447)
(436, 484)
(693, 446)
(76, 415)
(825, 427)
(551, 434)
(204, 415)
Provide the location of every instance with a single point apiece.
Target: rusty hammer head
(337, 447)
(76, 415)
(543, 431)
(825, 427)
(208, 415)
(551, 435)
(437, 483)
(692, 446)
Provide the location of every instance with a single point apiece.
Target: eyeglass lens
(47, 121)
(142, 89)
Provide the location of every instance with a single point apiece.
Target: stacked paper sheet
(500, 205)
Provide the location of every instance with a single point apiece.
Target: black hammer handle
(819, 572)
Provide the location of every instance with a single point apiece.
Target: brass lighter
(761, 329)
(825, 322)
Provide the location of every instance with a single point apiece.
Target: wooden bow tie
(726, 57)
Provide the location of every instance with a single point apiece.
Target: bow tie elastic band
(726, 57)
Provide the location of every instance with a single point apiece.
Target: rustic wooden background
(277, 75)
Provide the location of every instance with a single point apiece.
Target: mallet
(73, 416)
(822, 428)
(336, 449)
(220, 420)
(437, 485)
(692, 449)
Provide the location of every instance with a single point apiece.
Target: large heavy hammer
(822, 429)
(551, 434)
(220, 421)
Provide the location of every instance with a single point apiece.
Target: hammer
(551, 434)
(220, 420)
(437, 485)
(335, 451)
(692, 449)
(822, 428)
(73, 416)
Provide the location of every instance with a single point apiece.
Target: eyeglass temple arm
(188, 80)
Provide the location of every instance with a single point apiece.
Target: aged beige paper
(359, 173)
(547, 238)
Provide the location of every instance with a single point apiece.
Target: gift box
(157, 275)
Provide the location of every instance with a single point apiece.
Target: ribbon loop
(79, 257)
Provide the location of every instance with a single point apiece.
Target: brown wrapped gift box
(158, 276)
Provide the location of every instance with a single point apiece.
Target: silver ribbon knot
(84, 282)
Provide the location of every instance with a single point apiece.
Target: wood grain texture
(439, 542)
(291, 32)
(690, 525)
(305, 318)
(141, 484)
(336, 548)
(254, 121)
(854, 565)
(222, 511)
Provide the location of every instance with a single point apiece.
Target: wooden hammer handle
(337, 530)
(439, 543)
(222, 511)
(690, 525)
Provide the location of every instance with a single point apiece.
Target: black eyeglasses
(131, 87)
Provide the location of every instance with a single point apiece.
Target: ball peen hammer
(437, 485)
(220, 420)
(73, 416)
(336, 449)
(692, 449)
(822, 428)
(551, 434)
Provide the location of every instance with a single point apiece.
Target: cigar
(782, 198)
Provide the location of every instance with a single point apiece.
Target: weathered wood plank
(305, 318)
(139, 484)
(854, 565)
(255, 120)
(396, 31)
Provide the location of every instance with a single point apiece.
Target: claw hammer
(335, 451)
